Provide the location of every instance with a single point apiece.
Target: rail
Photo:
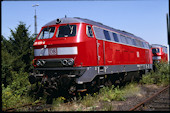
(142, 104)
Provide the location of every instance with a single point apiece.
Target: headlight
(156, 57)
(64, 62)
(40, 62)
(67, 62)
(70, 62)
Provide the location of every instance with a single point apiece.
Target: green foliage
(19, 46)
(159, 77)
(58, 101)
(16, 93)
(6, 63)
(107, 106)
(88, 100)
(109, 94)
(130, 89)
(20, 83)
(17, 55)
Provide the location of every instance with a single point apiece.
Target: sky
(143, 18)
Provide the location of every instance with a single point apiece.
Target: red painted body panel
(119, 54)
(94, 52)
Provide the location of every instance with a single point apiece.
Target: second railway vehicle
(75, 55)
(159, 53)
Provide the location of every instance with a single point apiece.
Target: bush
(109, 94)
(16, 93)
(159, 77)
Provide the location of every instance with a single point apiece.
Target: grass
(88, 100)
(107, 106)
(110, 94)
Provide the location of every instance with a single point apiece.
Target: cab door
(100, 52)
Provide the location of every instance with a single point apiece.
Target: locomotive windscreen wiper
(70, 28)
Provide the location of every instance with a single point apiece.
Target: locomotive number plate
(52, 51)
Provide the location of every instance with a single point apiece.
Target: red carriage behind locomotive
(159, 53)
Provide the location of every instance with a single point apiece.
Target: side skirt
(92, 72)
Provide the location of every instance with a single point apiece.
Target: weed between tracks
(97, 101)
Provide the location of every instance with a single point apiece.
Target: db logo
(52, 51)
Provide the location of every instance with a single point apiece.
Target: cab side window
(89, 31)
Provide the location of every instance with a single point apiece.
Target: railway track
(160, 101)
(31, 107)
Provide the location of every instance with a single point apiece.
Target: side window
(126, 40)
(147, 45)
(141, 45)
(123, 39)
(106, 34)
(129, 40)
(89, 31)
(134, 42)
(115, 37)
(138, 43)
(98, 33)
(144, 44)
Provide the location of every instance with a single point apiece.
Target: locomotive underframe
(87, 74)
(72, 79)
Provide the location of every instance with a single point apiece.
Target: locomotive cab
(65, 44)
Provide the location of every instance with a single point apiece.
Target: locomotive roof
(82, 20)
(158, 45)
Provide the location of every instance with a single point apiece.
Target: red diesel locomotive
(76, 55)
(159, 53)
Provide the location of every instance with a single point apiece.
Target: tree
(21, 47)
(17, 53)
(6, 62)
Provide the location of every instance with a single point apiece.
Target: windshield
(47, 33)
(66, 31)
(155, 50)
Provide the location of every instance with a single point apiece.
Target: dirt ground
(144, 92)
(132, 100)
